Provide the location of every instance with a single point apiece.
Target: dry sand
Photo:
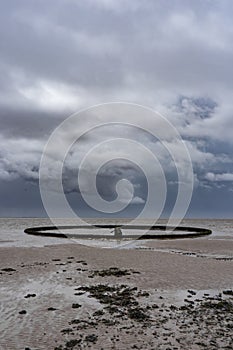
(164, 295)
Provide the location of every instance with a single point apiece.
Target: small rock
(91, 338)
(71, 343)
(98, 313)
(22, 312)
(8, 269)
(30, 296)
(228, 292)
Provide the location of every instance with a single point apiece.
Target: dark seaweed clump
(113, 271)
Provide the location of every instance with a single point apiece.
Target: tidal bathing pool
(119, 232)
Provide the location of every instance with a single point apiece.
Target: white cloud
(20, 158)
(219, 177)
(53, 96)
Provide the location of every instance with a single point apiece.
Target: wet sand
(162, 295)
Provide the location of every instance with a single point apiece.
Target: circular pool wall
(178, 232)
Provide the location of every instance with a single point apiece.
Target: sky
(64, 56)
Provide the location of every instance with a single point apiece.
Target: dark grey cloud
(29, 124)
(174, 56)
(97, 46)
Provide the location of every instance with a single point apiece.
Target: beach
(159, 295)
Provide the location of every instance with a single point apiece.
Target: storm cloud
(60, 57)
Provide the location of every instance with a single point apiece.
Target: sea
(12, 230)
